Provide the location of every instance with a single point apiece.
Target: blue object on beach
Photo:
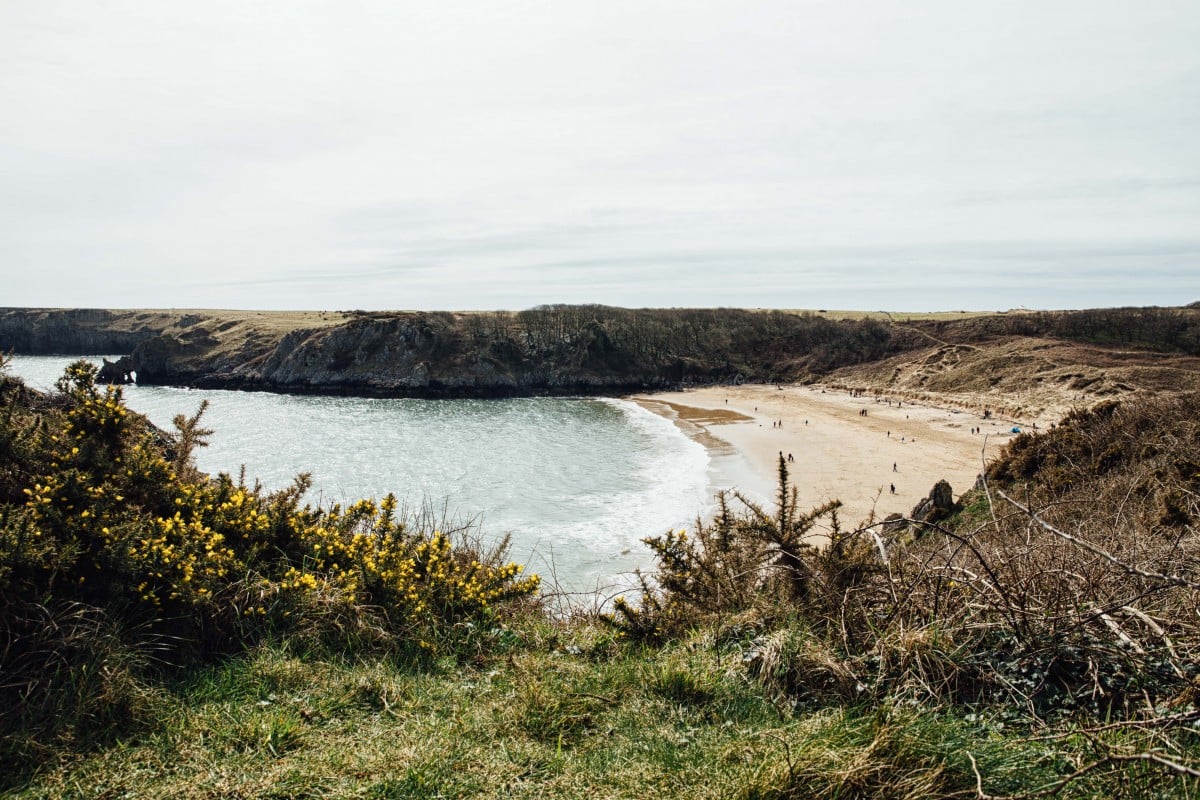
(1016, 430)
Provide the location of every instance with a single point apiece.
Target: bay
(576, 482)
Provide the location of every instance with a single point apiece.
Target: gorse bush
(747, 564)
(116, 518)
(108, 531)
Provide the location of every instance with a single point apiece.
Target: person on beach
(893, 488)
(894, 467)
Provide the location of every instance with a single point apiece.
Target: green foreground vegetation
(168, 633)
(567, 713)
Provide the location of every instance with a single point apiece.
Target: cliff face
(548, 350)
(400, 355)
(69, 331)
(577, 349)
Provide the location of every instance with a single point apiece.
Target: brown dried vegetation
(1068, 587)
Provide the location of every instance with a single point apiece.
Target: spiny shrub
(739, 567)
(104, 513)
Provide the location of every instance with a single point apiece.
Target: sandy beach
(852, 448)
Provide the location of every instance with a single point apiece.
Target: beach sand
(839, 453)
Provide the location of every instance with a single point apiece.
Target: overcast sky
(918, 155)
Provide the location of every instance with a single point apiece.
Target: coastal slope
(594, 349)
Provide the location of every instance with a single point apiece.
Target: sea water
(576, 482)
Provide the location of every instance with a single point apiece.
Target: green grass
(566, 714)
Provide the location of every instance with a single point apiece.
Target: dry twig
(1174, 580)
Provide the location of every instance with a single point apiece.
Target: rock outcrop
(117, 373)
(938, 505)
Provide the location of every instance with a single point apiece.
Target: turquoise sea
(576, 482)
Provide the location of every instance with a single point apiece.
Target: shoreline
(728, 467)
(850, 447)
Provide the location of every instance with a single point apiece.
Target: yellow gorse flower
(112, 501)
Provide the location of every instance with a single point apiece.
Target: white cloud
(487, 154)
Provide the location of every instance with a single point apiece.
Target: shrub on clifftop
(116, 554)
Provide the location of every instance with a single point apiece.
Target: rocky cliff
(549, 350)
(73, 331)
(579, 349)
(422, 355)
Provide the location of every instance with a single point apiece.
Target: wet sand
(838, 452)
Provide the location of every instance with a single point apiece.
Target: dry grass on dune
(1022, 376)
